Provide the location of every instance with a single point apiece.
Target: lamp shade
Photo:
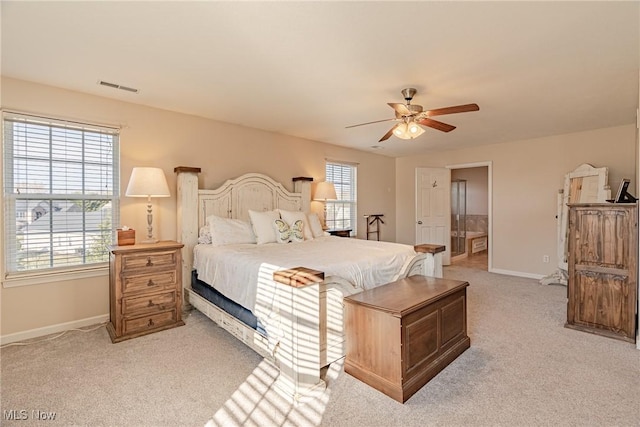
(325, 191)
(147, 182)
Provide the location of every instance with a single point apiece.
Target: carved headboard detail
(257, 192)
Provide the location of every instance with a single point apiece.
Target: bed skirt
(229, 306)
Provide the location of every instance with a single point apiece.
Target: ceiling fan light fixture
(402, 131)
(408, 130)
(412, 116)
(414, 129)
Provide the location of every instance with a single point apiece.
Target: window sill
(27, 279)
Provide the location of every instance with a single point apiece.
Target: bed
(282, 300)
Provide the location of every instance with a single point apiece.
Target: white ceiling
(309, 69)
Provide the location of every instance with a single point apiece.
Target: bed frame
(310, 315)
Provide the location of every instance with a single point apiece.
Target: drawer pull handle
(149, 263)
(151, 283)
(150, 322)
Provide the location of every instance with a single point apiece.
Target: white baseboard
(517, 273)
(53, 329)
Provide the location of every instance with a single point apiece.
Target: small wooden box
(126, 237)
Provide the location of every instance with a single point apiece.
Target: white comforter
(234, 270)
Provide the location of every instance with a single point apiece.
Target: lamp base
(148, 241)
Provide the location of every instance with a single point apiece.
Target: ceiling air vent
(117, 86)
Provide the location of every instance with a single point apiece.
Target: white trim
(470, 165)
(516, 273)
(342, 162)
(61, 121)
(52, 329)
(16, 280)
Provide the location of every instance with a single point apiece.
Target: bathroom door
(433, 208)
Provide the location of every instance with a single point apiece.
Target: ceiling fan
(411, 115)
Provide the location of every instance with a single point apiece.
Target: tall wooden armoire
(603, 265)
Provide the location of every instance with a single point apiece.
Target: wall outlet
(545, 258)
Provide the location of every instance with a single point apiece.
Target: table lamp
(325, 191)
(148, 182)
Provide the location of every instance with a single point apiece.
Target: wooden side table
(433, 258)
(145, 289)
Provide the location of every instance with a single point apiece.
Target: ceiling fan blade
(368, 123)
(452, 110)
(388, 134)
(400, 109)
(436, 125)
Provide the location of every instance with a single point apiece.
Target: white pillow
(315, 225)
(262, 223)
(286, 233)
(290, 217)
(227, 231)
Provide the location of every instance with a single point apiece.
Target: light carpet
(523, 369)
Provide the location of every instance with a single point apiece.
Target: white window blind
(341, 213)
(61, 185)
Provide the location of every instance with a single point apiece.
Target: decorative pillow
(227, 231)
(262, 223)
(291, 217)
(204, 236)
(315, 225)
(286, 233)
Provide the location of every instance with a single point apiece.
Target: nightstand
(145, 289)
(343, 232)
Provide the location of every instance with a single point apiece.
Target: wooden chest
(145, 289)
(402, 334)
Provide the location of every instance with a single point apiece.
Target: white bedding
(234, 270)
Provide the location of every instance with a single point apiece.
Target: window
(341, 213)
(60, 194)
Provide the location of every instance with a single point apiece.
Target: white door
(433, 208)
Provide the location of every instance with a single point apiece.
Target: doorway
(471, 230)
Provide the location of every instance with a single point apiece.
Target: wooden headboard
(233, 199)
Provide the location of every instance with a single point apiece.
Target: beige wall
(152, 137)
(526, 178)
(477, 186)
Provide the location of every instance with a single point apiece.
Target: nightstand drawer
(148, 282)
(151, 321)
(151, 303)
(148, 260)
